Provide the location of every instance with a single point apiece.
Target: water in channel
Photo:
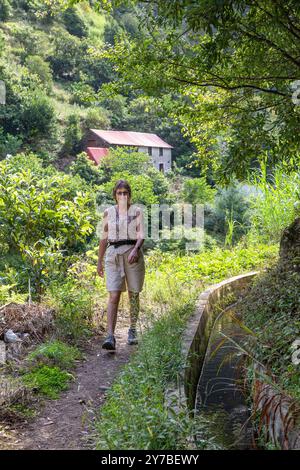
(220, 395)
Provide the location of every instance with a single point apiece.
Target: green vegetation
(49, 381)
(271, 311)
(181, 70)
(48, 367)
(202, 53)
(44, 216)
(55, 353)
(54, 77)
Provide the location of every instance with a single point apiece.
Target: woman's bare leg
(134, 301)
(112, 311)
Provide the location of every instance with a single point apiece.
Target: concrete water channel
(210, 382)
(220, 395)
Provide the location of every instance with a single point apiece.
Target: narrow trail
(67, 422)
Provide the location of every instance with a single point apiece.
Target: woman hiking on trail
(122, 239)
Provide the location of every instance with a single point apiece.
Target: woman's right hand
(100, 269)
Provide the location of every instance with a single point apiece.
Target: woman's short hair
(121, 184)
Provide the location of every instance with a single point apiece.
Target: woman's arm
(103, 244)
(140, 237)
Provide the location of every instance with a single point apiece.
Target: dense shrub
(67, 54)
(37, 119)
(82, 93)
(96, 118)
(74, 23)
(5, 10)
(229, 213)
(72, 135)
(9, 144)
(128, 160)
(197, 191)
(43, 216)
(87, 170)
(41, 68)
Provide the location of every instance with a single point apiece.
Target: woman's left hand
(133, 256)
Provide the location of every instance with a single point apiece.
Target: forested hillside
(53, 76)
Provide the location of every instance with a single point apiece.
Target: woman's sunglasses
(119, 193)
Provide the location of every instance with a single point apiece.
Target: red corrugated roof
(97, 153)
(136, 139)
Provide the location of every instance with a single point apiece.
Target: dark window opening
(150, 150)
(161, 151)
(161, 167)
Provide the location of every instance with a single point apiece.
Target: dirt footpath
(67, 422)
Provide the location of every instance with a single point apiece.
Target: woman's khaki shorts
(120, 273)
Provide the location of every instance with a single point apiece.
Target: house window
(161, 151)
(161, 167)
(150, 151)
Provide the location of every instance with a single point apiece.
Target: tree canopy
(232, 68)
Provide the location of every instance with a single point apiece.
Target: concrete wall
(196, 335)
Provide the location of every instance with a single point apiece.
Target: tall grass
(275, 207)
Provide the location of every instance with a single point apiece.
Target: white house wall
(165, 159)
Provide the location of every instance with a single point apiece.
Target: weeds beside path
(66, 423)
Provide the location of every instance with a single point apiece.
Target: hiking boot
(109, 343)
(132, 336)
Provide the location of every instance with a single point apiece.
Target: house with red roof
(98, 142)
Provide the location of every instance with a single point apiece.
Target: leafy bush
(72, 135)
(197, 191)
(33, 208)
(67, 54)
(7, 294)
(55, 353)
(161, 187)
(37, 119)
(117, 107)
(97, 118)
(74, 23)
(87, 170)
(111, 30)
(127, 160)
(82, 93)
(42, 213)
(47, 380)
(32, 41)
(9, 144)
(231, 207)
(5, 10)
(41, 68)
(28, 113)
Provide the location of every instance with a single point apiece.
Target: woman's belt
(122, 242)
